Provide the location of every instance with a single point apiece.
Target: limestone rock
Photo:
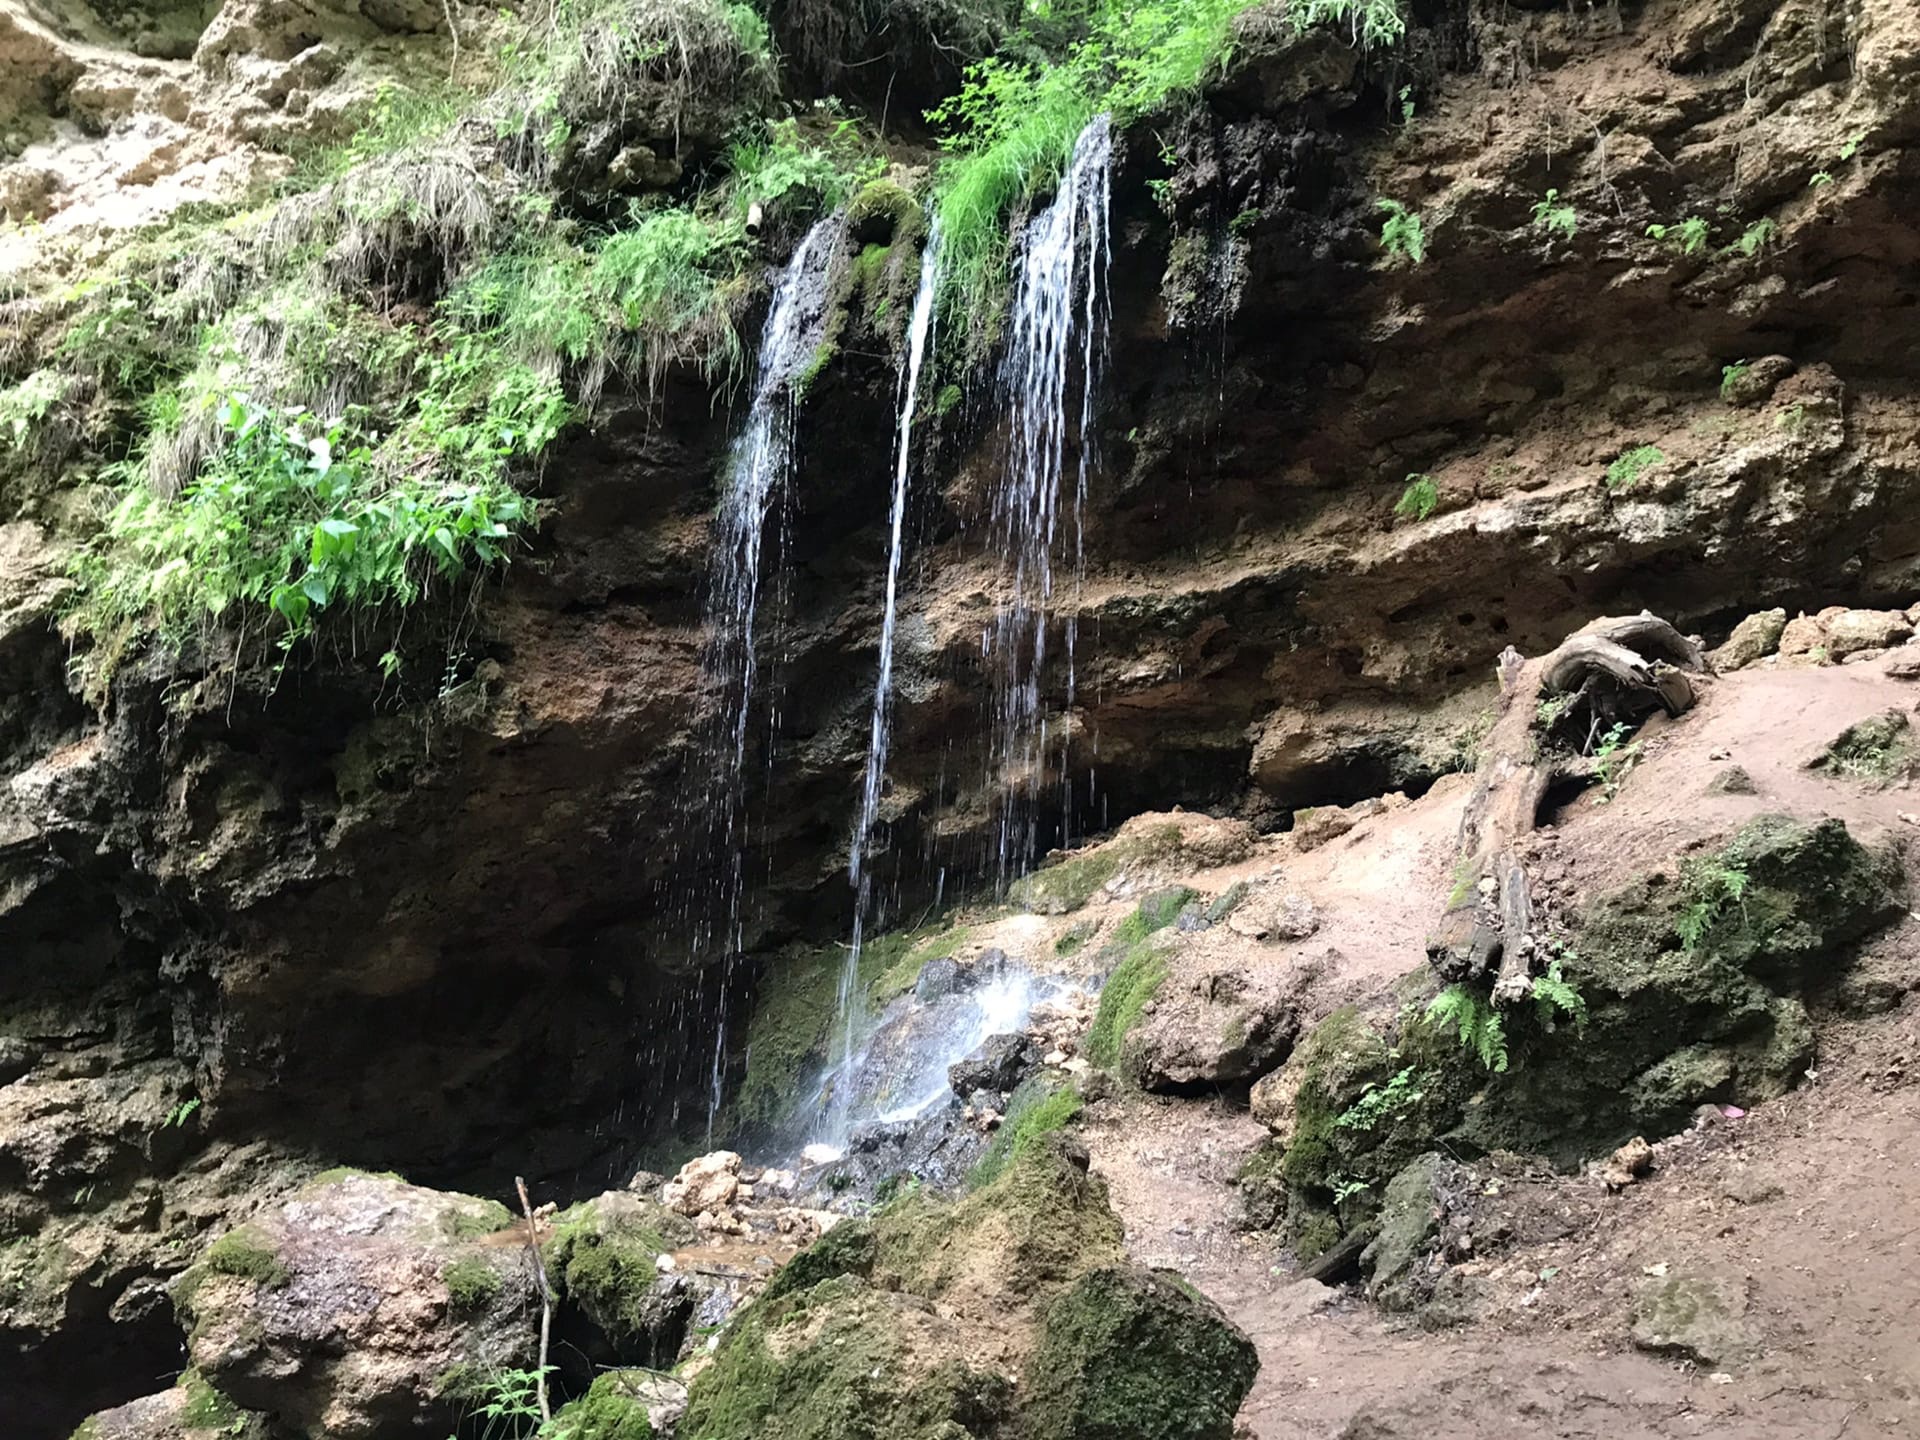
(1223, 1029)
(1275, 915)
(343, 1310)
(191, 1410)
(602, 1258)
(1627, 1164)
(1137, 1353)
(1314, 828)
(1853, 631)
(1696, 1311)
(704, 1184)
(1403, 1255)
(1803, 635)
(1754, 638)
(1754, 382)
(1732, 781)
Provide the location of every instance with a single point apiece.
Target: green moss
(884, 214)
(89, 1430)
(847, 1249)
(348, 1172)
(1064, 887)
(206, 1408)
(1037, 1109)
(1137, 978)
(472, 1285)
(240, 1253)
(601, 1257)
(1074, 940)
(1875, 750)
(476, 1218)
(1228, 901)
(612, 1409)
(1130, 1354)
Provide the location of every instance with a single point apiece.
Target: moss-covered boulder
(1688, 990)
(615, 1407)
(354, 1307)
(909, 1325)
(191, 1410)
(1133, 1354)
(616, 1305)
(1147, 845)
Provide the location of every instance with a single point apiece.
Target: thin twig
(546, 1297)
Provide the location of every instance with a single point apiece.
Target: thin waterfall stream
(757, 486)
(851, 1019)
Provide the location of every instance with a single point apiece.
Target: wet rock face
(360, 1306)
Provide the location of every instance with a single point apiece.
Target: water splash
(851, 1020)
(1057, 337)
(753, 508)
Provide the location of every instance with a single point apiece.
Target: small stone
(707, 1184)
(1754, 638)
(665, 1264)
(1630, 1162)
(1055, 1058)
(1732, 781)
(1698, 1312)
(1745, 1189)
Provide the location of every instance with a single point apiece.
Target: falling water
(1057, 328)
(758, 475)
(879, 731)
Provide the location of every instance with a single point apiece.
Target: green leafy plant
(1852, 147)
(1793, 419)
(1820, 179)
(1554, 218)
(1345, 1187)
(1625, 472)
(1712, 887)
(1555, 998)
(1730, 377)
(1689, 237)
(1372, 24)
(1613, 761)
(1406, 104)
(505, 1404)
(1475, 1022)
(1419, 500)
(1382, 1102)
(177, 1117)
(1762, 234)
(1402, 233)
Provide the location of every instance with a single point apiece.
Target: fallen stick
(546, 1297)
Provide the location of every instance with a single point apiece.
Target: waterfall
(753, 502)
(851, 1019)
(1057, 336)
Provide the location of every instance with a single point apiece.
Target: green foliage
(1554, 218)
(399, 118)
(1381, 1103)
(1030, 1117)
(504, 1404)
(1626, 471)
(1689, 237)
(1012, 125)
(1820, 179)
(1711, 886)
(1402, 233)
(290, 516)
(772, 163)
(1419, 500)
(1730, 377)
(1760, 235)
(610, 1410)
(25, 405)
(1613, 761)
(1478, 1025)
(177, 1117)
(1373, 24)
(1852, 146)
(1554, 996)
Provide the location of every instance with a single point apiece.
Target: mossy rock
(1139, 970)
(1070, 882)
(191, 1410)
(614, 1408)
(1134, 1354)
(601, 1259)
(1040, 1107)
(884, 213)
(842, 1360)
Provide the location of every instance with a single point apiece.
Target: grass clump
(1135, 981)
(1034, 1112)
(1625, 472)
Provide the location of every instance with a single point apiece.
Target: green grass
(1032, 1115)
(1135, 981)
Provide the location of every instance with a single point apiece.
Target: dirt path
(1814, 1200)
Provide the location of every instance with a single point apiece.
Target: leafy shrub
(1554, 218)
(1379, 1103)
(1419, 500)
(1614, 760)
(1626, 471)
(1402, 233)
(1760, 235)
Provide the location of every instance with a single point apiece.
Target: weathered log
(1624, 665)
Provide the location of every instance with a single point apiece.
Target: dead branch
(546, 1298)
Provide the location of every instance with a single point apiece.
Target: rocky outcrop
(361, 1305)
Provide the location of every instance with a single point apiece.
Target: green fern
(1419, 500)
(1711, 887)
(1402, 234)
(1554, 996)
(1478, 1024)
(1382, 1102)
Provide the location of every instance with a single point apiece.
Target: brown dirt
(1815, 1199)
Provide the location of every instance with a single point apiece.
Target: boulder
(191, 1410)
(1753, 382)
(1223, 1029)
(1314, 828)
(624, 1405)
(1802, 636)
(1697, 1312)
(1403, 1255)
(602, 1258)
(1129, 1353)
(708, 1183)
(1275, 916)
(357, 1307)
(1853, 631)
(1754, 638)
(1001, 1063)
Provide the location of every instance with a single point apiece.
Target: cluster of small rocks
(723, 1195)
(1836, 635)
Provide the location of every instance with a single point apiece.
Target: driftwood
(1614, 671)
